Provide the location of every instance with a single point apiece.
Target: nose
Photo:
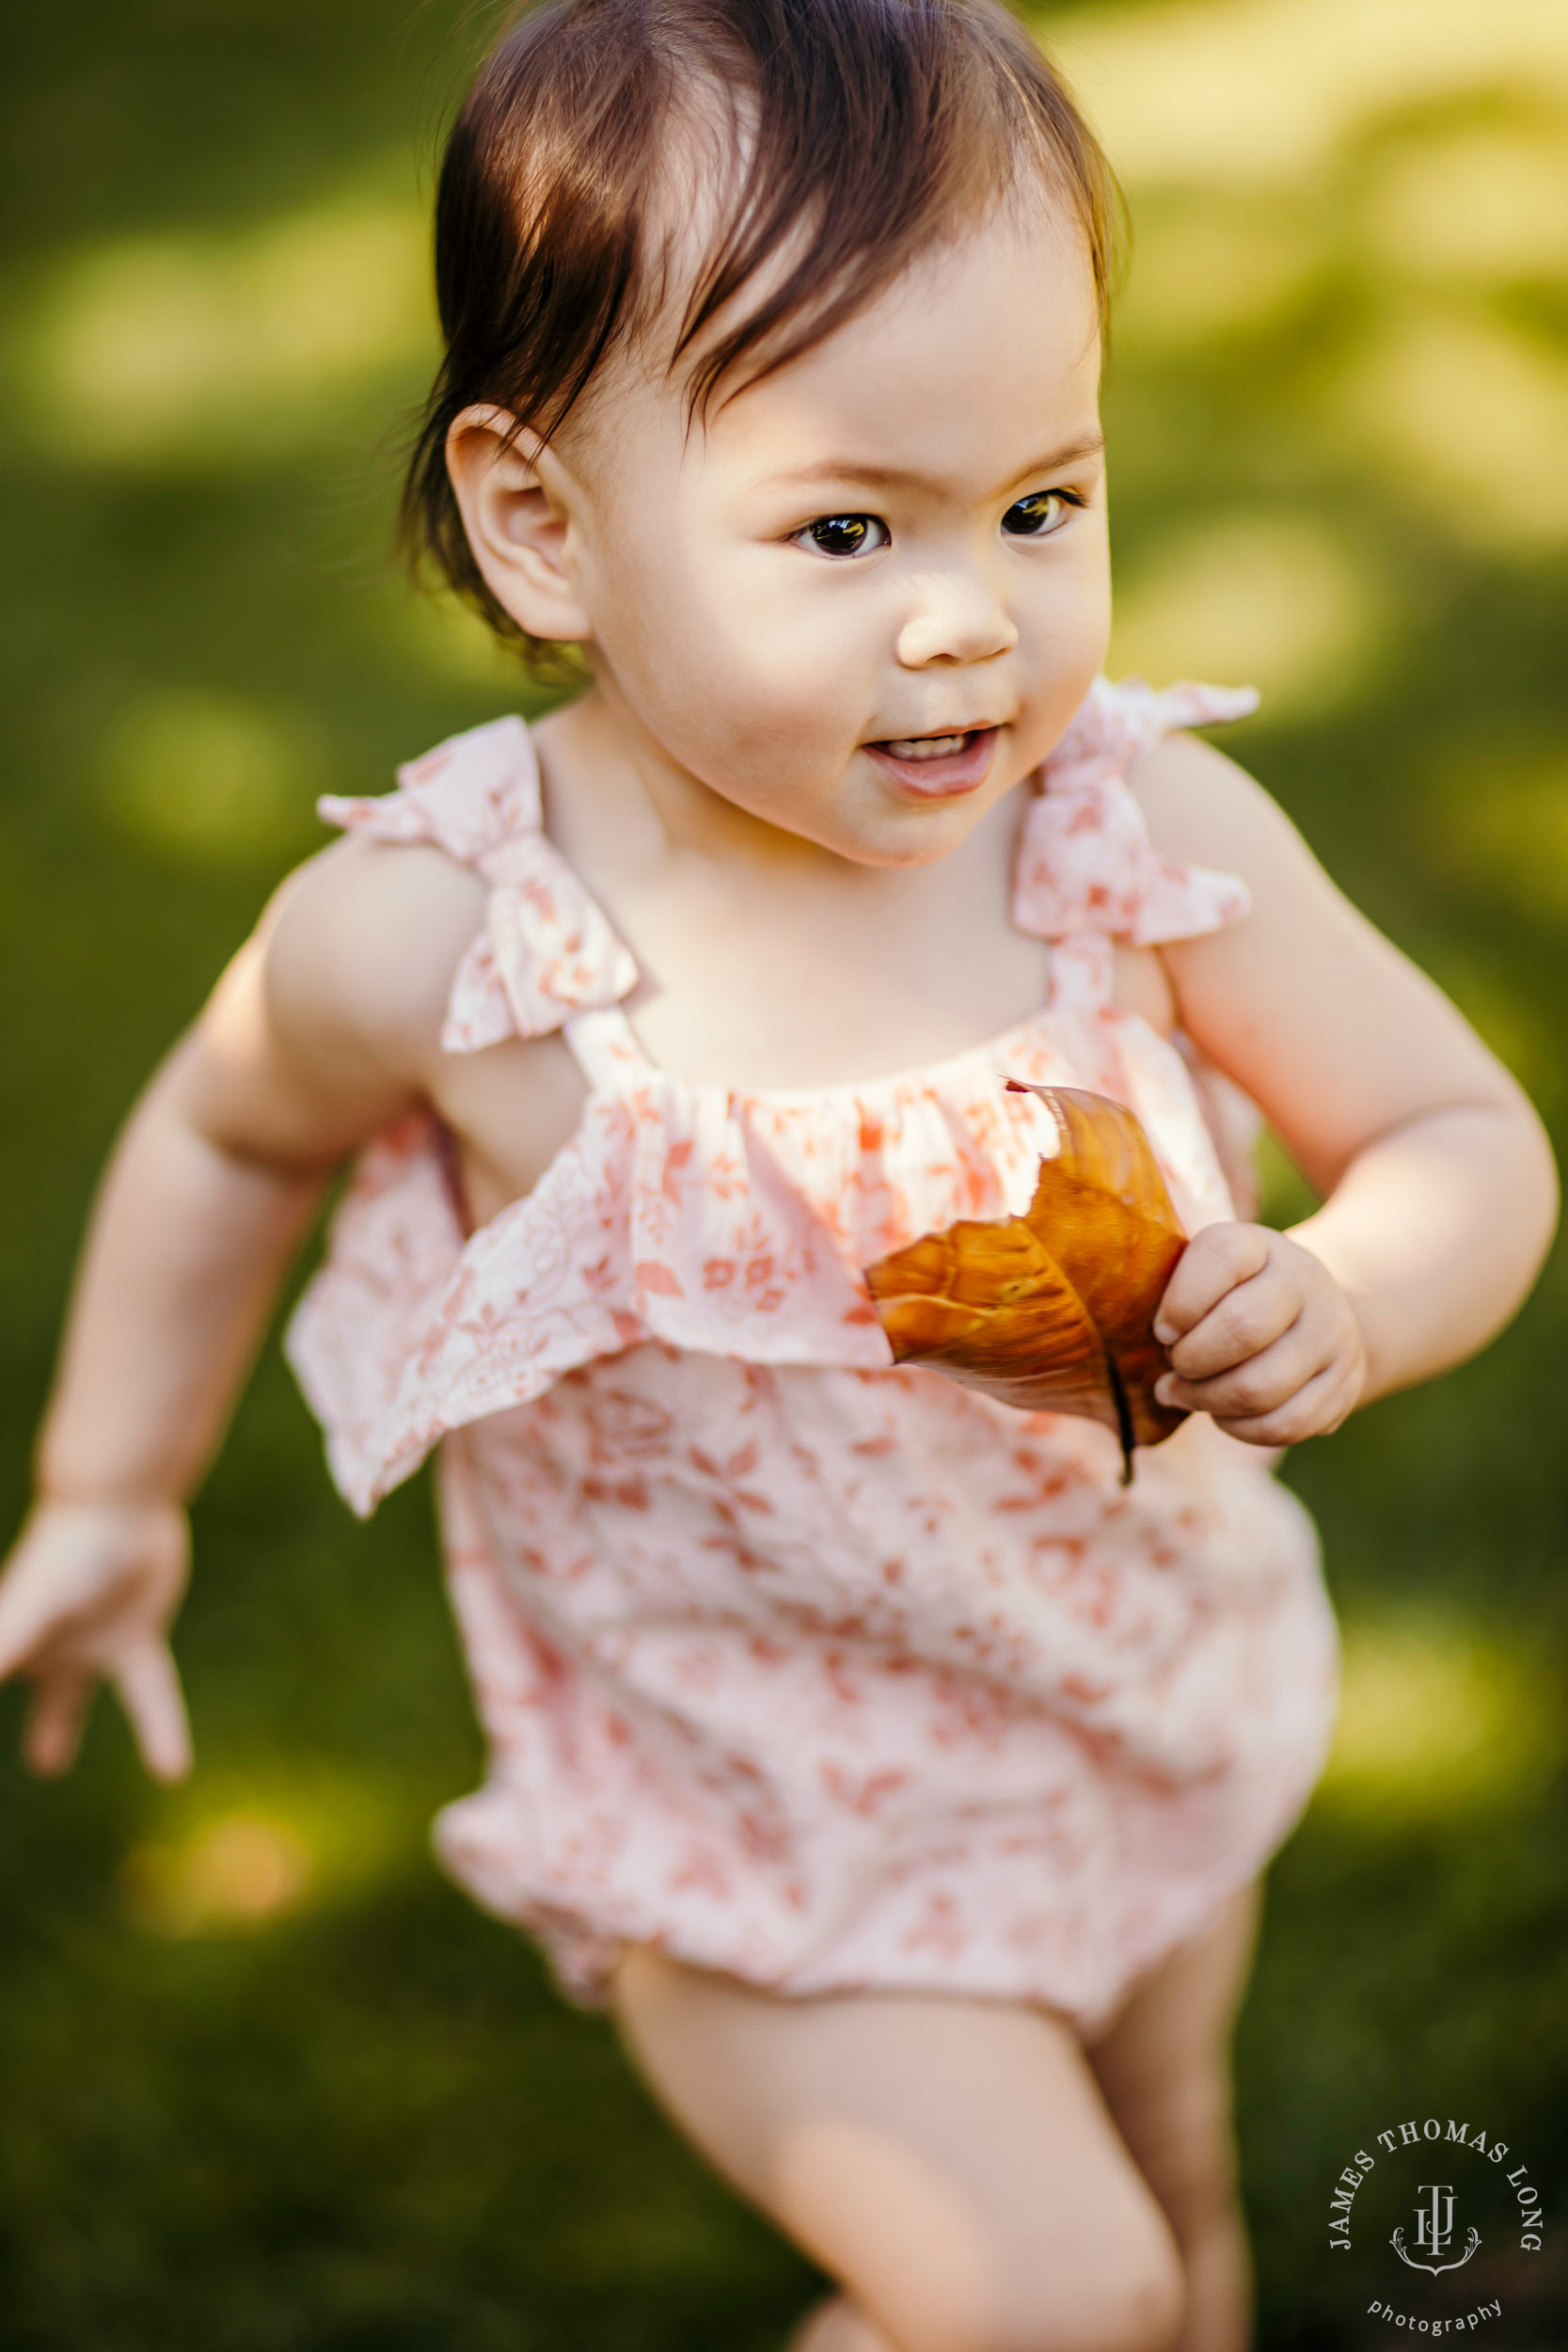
(954, 615)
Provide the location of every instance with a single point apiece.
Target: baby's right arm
(325, 1026)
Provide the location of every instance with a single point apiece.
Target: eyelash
(807, 536)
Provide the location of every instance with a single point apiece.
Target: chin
(907, 846)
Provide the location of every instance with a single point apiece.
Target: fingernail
(1165, 1332)
(1164, 1387)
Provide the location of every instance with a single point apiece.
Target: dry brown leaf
(1054, 1311)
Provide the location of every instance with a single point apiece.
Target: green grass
(368, 2123)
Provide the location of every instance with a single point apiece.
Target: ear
(516, 498)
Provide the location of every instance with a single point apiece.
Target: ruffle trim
(669, 1216)
(1085, 861)
(723, 1224)
(545, 951)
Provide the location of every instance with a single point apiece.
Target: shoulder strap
(472, 796)
(607, 1049)
(1087, 872)
(547, 950)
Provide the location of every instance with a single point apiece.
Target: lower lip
(945, 778)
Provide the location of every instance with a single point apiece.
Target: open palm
(89, 1594)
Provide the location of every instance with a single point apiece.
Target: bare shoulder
(1205, 810)
(361, 946)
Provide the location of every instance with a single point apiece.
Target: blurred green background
(265, 2081)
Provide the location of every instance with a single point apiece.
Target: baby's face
(867, 596)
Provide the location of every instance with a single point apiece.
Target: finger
(1314, 1411)
(54, 1731)
(1258, 1384)
(22, 1621)
(1247, 1320)
(1213, 1262)
(148, 1687)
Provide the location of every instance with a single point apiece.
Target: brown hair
(860, 131)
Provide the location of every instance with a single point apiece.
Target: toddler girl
(898, 1776)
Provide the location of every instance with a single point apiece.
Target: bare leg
(1165, 2070)
(951, 2163)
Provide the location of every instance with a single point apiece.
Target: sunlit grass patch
(1224, 92)
(1486, 202)
(1473, 417)
(239, 1859)
(1437, 1719)
(210, 778)
(237, 1871)
(1273, 600)
(1205, 265)
(159, 350)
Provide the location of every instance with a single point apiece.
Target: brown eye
(1038, 516)
(842, 534)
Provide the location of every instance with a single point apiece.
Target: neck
(659, 805)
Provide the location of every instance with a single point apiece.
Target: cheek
(1069, 636)
(729, 670)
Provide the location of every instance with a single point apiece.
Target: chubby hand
(1259, 1336)
(89, 1593)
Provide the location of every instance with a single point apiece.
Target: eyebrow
(904, 478)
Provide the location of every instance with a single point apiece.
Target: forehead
(984, 347)
(981, 355)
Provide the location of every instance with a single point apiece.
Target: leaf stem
(1124, 1418)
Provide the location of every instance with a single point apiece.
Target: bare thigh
(1164, 2067)
(1164, 2072)
(952, 2164)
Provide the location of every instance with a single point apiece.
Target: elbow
(1541, 1183)
(1522, 1192)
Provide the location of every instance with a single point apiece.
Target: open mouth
(937, 767)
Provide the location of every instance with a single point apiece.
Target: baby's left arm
(1440, 1193)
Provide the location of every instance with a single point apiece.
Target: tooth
(927, 747)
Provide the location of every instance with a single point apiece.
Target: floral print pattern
(792, 1662)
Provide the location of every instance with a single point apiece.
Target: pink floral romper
(793, 1664)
